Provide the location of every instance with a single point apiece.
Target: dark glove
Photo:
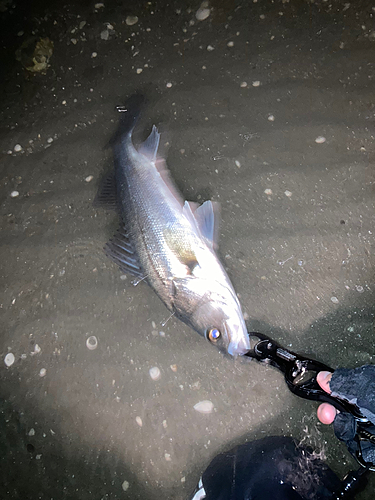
(357, 386)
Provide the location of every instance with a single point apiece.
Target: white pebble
(243, 85)
(167, 457)
(9, 152)
(17, 148)
(359, 288)
(230, 44)
(31, 432)
(139, 71)
(268, 191)
(92, 343)
(99, 5)
(169, 85)
(94, 54)
(89, 178)
(131, 20)
(9, 359)
(104, 35)
(237, 163)
(14, 194)
(154, 373)
(139, 421)
(210, 48)
(42, 372)
(162, 334)
(204, 406)
(320, 139)
(125, 485)
(288, 193)
(202, 13)
(271, 118)
(50, 140)
(335, 300)
(256, 83)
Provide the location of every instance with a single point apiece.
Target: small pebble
(9, 359)
(31, 432)
(50, 140)
(230, 44)
(139, 71)
(320, 139)
(359, 288)
(17, 148)
(14, 194)
(204, 406)
(99, 5)
(42, 372)
(268, 191)
(210, 48)
(92, 343)
(162, 334)
(165, 425)
(288, 193)
(271, 118)
(94, 54)
(131, 20)
(167, 457)
(256, 83)
(169, 85)
(89, 178)
(173, 368)
(154, 373)
(139, 421)
(125, 485)
(335, 300)
(237, 163)
(243, 85)
(104, 35)
(203, 13)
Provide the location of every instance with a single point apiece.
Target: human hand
(326, 412)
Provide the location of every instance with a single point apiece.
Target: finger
(323, 379)
(326, 413)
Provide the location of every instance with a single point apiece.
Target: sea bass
(169, 242)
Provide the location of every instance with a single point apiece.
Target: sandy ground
(297, 234)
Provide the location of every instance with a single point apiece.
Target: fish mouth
(239, 342)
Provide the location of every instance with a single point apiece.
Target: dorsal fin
(149, 147)
(205, 220)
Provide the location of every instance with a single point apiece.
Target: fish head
(213, 310)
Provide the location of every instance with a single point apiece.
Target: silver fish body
(171, 243)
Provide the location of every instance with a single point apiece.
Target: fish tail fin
(129, 114)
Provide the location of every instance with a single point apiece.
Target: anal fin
(106, 196)
(120, 250)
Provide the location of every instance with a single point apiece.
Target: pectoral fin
(180, 246)
(120, 250)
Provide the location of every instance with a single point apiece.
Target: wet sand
(279, 128)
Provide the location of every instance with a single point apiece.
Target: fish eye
(213, 334)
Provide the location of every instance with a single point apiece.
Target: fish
(166, 241)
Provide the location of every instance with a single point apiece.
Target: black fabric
(358, 387)
(273, 467)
